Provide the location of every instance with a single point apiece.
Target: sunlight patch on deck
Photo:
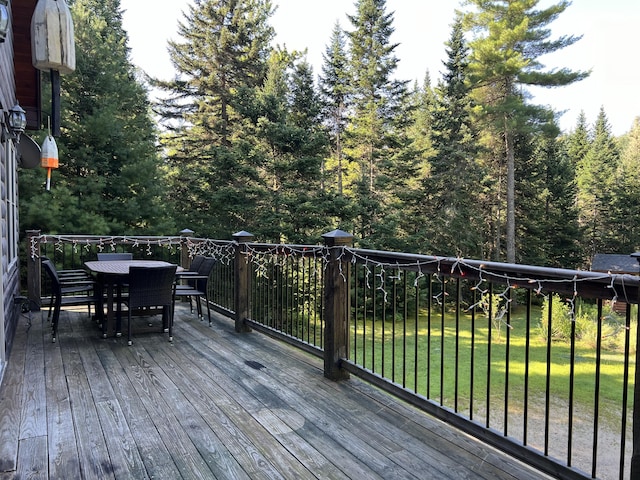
(280, 421)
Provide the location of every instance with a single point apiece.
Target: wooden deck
(214, 404)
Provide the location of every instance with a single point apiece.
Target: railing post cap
(337, 237)
(243, 236)
(187, 232)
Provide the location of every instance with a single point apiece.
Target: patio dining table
(111, 273)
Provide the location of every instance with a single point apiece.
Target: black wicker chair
(68, 294)
(196, 286)
(152, 287)
(193, 268)
(120, 287)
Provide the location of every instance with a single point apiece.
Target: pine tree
(220, 61)
(547, 215)
(453, 187)
(334, 87)
(291, 142)
(109, 180)
(377, 133)
(510, 36)
(625, 209)
(596, 175)
(578, 142)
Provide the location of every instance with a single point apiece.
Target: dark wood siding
(18, 81)
(27, 78)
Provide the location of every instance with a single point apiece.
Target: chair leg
(129, 329)
(54, 320)
(50, 307)
(165, 319)
(206, 299)
(169, 312)
(199, 307)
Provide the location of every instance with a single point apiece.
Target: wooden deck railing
(538, 362)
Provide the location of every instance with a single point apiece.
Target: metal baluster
(457, 349)
(547, 397)
(507, 351)
(596, 410)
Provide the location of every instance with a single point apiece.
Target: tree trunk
(511, 195)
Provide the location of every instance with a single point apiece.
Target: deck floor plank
(119, 440)
(372, 446)
(212, 404)
(95, 462)
(242, 381)
(11, 401)
(245, 443)
(64, 459)
(375, 444)
(153, 451)
(149, 383)
(33, 421)
(265, 433)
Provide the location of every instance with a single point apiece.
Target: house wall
(10, 286)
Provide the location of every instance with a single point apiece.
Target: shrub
(562, 320)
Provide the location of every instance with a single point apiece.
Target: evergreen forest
(247, 136)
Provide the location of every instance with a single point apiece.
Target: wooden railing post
(185, 259)
(34, 288)
(336, 305)
(242, 280)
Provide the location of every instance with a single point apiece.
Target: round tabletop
(121, 267)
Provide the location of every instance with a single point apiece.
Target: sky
(609, 46)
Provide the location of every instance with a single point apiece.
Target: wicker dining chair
(193, 268)
(196, 286)
(68, 294)
(71, 274)
(152, 287)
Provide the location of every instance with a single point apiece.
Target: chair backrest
(151, 286)
(105, 257)
(205, 268)
(196, 262)
(51, 271)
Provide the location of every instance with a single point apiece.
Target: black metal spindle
(383, 343)
(625, 389)
(572, 365)
(442, 338)
(364, 321)
(416, 319)
(429, 306)
(472, 359)
(507, 352)
(356, 284)
(374, 317)
(547, 397)
(457, 349)
(489, 333)
(527, 352)
(394, 306)
(596, 393)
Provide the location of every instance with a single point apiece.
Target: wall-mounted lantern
(15, 121)
(4, 20)
(53, 48)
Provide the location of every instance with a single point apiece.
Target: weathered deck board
(199, 408)
(11, 406)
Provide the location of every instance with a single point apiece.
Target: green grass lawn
(432, 361)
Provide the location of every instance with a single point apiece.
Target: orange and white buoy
(49, 157)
